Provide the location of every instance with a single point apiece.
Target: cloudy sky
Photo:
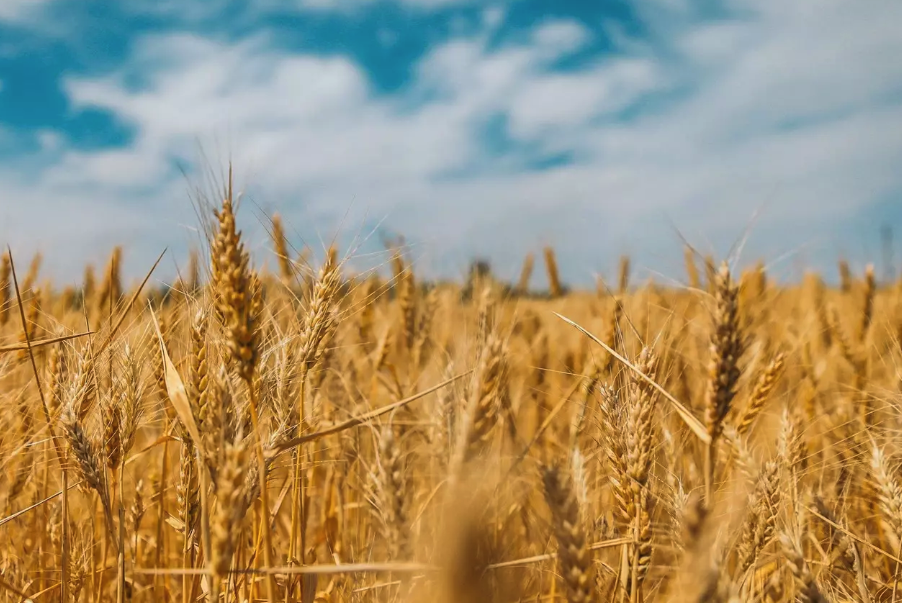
(473, 127)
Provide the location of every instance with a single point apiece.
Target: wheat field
(307, 434)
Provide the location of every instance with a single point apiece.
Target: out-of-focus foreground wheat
(317, 435)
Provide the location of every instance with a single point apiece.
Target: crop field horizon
(311, 434)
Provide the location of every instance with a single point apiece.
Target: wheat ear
(574, 557)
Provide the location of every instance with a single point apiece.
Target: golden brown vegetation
(327, 436)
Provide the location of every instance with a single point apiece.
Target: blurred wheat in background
(319, 435)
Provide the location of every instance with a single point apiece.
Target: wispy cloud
(16, 10)
(586, 134)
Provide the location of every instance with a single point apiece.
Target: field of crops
(310, 434)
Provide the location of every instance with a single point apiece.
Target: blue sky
(489, 128)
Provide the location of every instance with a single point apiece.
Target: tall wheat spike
(286, 272)
(4, 288)
(574, 558)
(726, 349)
(525, 274)
(239, 305)
(554, 281)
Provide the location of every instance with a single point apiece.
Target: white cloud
(548, 105)
(787, 109)
(492, 17)
(17, 10)
(49, 141)
(561, 37)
